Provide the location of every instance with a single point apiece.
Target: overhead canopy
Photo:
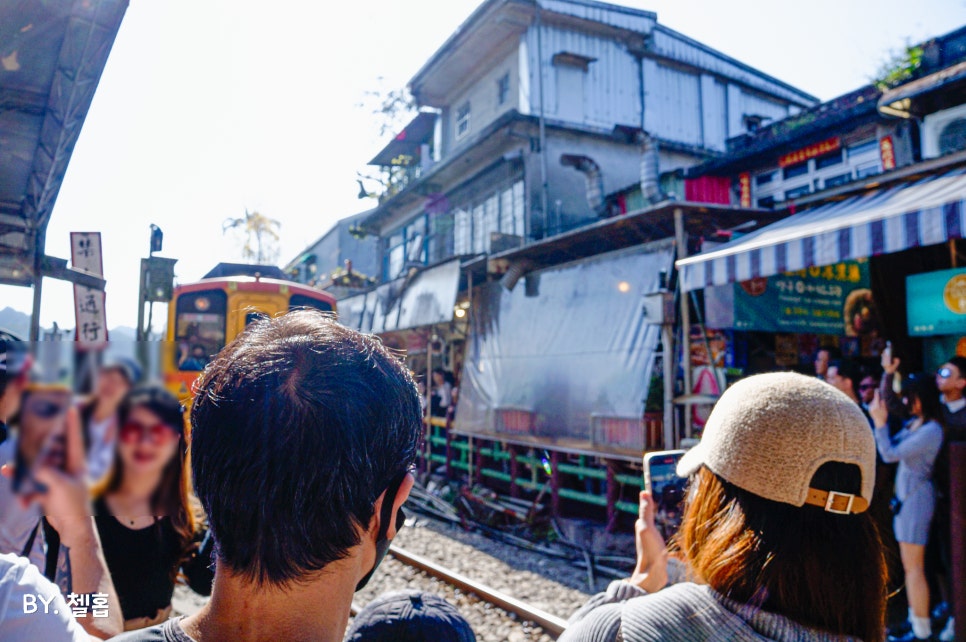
(404, 148)
(51, 58)
(879, 221)
(942, 89)
(426, 298)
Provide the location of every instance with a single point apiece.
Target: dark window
(863, 148)
(503, 89)
(867, 169)
(199, 328)
(953, 137)
(764, 179)
(304, 301)
(767, 201)
(795, 170)
(841, 179)
(798, 191)
(828, 160)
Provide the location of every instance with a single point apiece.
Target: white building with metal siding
(552, 99)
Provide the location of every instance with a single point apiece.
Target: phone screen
(667, 489)
(42, 435)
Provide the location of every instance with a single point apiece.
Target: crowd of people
(790, 494)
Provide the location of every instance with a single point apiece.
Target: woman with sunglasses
(149, 522)
(915, 448)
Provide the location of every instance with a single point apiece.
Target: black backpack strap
(30, 542)
(52, 538)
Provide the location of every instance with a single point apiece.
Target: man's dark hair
(298, 426)
(833, 352)
(959, 362)
(848, 370)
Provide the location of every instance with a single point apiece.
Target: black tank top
(141, 561)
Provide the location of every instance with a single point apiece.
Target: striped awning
(882, 221)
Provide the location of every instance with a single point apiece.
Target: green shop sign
(831, 299)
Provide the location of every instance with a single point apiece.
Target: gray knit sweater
(684, 612)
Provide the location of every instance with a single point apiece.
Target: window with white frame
(462, 232)
(463, 120)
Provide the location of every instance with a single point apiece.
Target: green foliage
(655, 394)
(391, 110)
(901, 67)
(261, 237)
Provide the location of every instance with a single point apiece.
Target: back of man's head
(298, 426)
(848, 369)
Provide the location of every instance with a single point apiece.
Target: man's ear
(401, 495)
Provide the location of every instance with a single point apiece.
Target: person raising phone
(915, 447)
(45, 522)
(776, 542)
(149, 520)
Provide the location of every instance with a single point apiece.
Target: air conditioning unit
(944, 132)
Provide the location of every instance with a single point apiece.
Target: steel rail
(547, 621)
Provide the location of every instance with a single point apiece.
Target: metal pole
(140, 328)
(667, 338)
(682, 252)
(469, 297)
(39, 242)
(429, 400)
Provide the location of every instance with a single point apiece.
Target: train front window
(199, 328)
(302, 301)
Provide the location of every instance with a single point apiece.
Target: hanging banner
(91, 328)
(832, 299)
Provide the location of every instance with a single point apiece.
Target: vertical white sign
(85, 255)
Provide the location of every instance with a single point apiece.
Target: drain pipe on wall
(544, 196)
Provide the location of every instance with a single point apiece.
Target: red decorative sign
(887, 152)
(802, 155)
(744, 184)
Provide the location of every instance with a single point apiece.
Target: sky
(207, 108)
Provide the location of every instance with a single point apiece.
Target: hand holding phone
(42, 436)
(889, 365)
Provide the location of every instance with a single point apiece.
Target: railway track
(551, 624)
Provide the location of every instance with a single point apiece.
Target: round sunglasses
(133, 432)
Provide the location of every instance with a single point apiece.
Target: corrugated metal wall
(610, 88)
(621, 17)
(672, 103)
(670, 44)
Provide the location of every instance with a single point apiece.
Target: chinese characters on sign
(802, 155)
(831, 299)
(85, 254)
(744, 184)
(887, 152)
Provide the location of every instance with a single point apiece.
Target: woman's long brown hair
(173, 498)
(819, 569)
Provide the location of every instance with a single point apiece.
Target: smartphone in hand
(42, 435)
(666, 488)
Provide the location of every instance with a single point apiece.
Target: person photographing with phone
(915, 448)
(46, 525)
(776, 542)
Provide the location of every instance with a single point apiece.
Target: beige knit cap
(769, 433)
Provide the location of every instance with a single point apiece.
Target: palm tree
(261, 236)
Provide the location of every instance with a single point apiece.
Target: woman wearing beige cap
(775, 543)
